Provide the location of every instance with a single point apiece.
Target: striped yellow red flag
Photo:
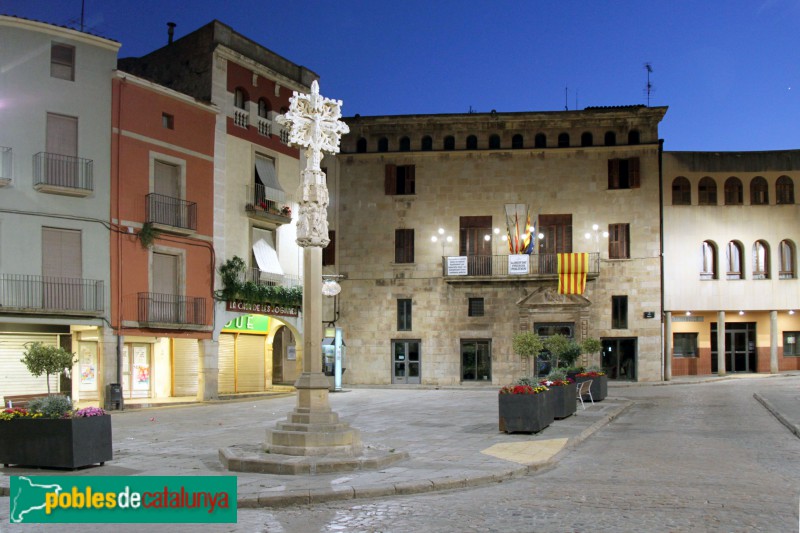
(572, 269)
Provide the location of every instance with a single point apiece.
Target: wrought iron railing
(170, 309)
(268, 278)
(62, 171)
(260, 199)
(170, 211)
(498, 265)
(21, 292)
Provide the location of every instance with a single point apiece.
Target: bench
(22, 400)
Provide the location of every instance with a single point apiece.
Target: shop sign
(260, 308)
(248, 324)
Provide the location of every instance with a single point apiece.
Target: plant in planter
(234, 288)
(599, 382)
(524, 408)
(527, 344)
(591, 346)
(40, 359)
(563, 394)
(51, 435)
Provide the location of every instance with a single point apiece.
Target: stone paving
(699, 457)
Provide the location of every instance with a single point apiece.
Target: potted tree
(591, 346)
(527, 344)
(49, 433)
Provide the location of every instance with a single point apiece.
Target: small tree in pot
(41, 359)
(563, 351)
(591, 346)
(527, 344)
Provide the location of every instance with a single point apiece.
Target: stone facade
(507, 162)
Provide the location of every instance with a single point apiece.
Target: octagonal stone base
(246, 458)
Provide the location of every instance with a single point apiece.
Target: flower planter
(525, 413)
(564, 399)
(56, 443)
(599, 386)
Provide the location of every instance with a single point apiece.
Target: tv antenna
(649, 88)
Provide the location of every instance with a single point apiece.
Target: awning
(266, 256)
(265, 168)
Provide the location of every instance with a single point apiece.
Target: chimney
(170, 31)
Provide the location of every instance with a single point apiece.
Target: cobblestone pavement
(699, 457)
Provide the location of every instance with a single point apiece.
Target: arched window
(263, 107)
(405, 144)
(633, 137)
(540, 141)
(586, 138)
(734, 194)
(239, 98)
(733, 260)
(759, 191)
(681, 191)
(610, 139)
(707, 192)
(760, 260)
(708, 266)
(361, 145)
(472, 142)
(784, 190)
(449, 143)
(563, 140)
(494, 142)
(383, 144)
(516, 141)
(788, 268)
(427, 143)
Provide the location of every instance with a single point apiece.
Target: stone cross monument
(313, 429)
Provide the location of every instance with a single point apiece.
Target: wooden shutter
(61, 253)
(62, 135)
(410, 179)
(166, 179)
(390, 180)
(633, 172)
(404, 246)
(613, 173)
(618, 241)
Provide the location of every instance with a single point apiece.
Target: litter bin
(113, 397)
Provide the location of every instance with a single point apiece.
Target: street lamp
(502, 239)
(597, 233)
(441, 238)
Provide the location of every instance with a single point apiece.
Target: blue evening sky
(729, 70)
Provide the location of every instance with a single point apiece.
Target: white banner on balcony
(518, 264)
(457, 266)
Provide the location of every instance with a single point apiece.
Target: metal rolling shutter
(14, 377)
(186, 353)
(227, 369)
(250, 363)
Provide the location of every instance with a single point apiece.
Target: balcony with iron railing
(31, 294)
(5, 166)
(62, 174)
(268, 278)
(171, 214)
(496, 267)
(264, 203)
(165, 311)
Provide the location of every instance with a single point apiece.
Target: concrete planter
(599, 386)
(56, 443)
(564, 399)
(525, 413)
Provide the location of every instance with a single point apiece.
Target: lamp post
(501, 239)
(596, 233)
(445, 240)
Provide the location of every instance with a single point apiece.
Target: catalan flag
(572, 269)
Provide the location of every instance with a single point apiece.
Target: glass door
(406, 363)
(476, 360)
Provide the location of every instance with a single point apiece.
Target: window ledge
(63, 191)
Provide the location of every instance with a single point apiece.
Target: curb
(782, 419)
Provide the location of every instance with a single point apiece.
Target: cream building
(730, 261)
(415, 311)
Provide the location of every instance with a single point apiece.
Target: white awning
(265, 168)
(267, 257)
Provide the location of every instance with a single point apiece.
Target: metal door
(406, 362)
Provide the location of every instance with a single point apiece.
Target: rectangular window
(684, 344)
(404, 314)
(619, 241)
(62, 264)
(791, 339)
(476, 360)
(619, 312)
(404, 246)
(623, 173)
(167, 121)
(329, 252)
(61, 166)
(475, 307)
(62, 61)
(400, 179)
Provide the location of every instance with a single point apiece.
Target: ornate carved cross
(314, 124)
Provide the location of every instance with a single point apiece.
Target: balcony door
(62, 140)
(557, 231)
(166, 207)
(474, 244)
(62, 269)
(164, 302)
